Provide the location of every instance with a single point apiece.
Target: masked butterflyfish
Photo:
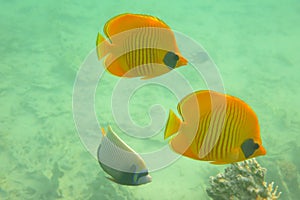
(138, 46)
(121, 162)
(215, 127)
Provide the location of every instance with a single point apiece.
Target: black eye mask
(249, 147)
(171, 59)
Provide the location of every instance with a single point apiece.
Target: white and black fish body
(120, 161)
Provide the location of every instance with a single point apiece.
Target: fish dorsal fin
(111, 135)
(125, 22)
(205, 100)
(188, 106)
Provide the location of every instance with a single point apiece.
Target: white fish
(120, 161)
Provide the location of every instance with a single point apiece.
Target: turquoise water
(254, 44)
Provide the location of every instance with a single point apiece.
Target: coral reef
(245, 181)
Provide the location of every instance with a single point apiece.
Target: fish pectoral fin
(219, 162)
(234, 155)
(148, 77)
(133, 168)
(153, 75)
(159, 70)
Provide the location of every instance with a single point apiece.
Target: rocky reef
(245, 181)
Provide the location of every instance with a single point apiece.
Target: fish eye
(176, 57)
(249, 147)
(137, 176)
(143, 173)
(171, 59)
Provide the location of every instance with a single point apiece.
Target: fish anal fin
(114, 67)
(189, 153)
(183, 145)
(113, 180)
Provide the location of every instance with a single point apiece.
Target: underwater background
(255, 45)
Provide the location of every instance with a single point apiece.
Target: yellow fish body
(138, 46)
(216, 127)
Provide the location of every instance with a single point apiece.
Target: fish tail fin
(103, 46)
(173, 125)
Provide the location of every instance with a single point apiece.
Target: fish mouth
(263, 150)
(145, 179)
(182, 61)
